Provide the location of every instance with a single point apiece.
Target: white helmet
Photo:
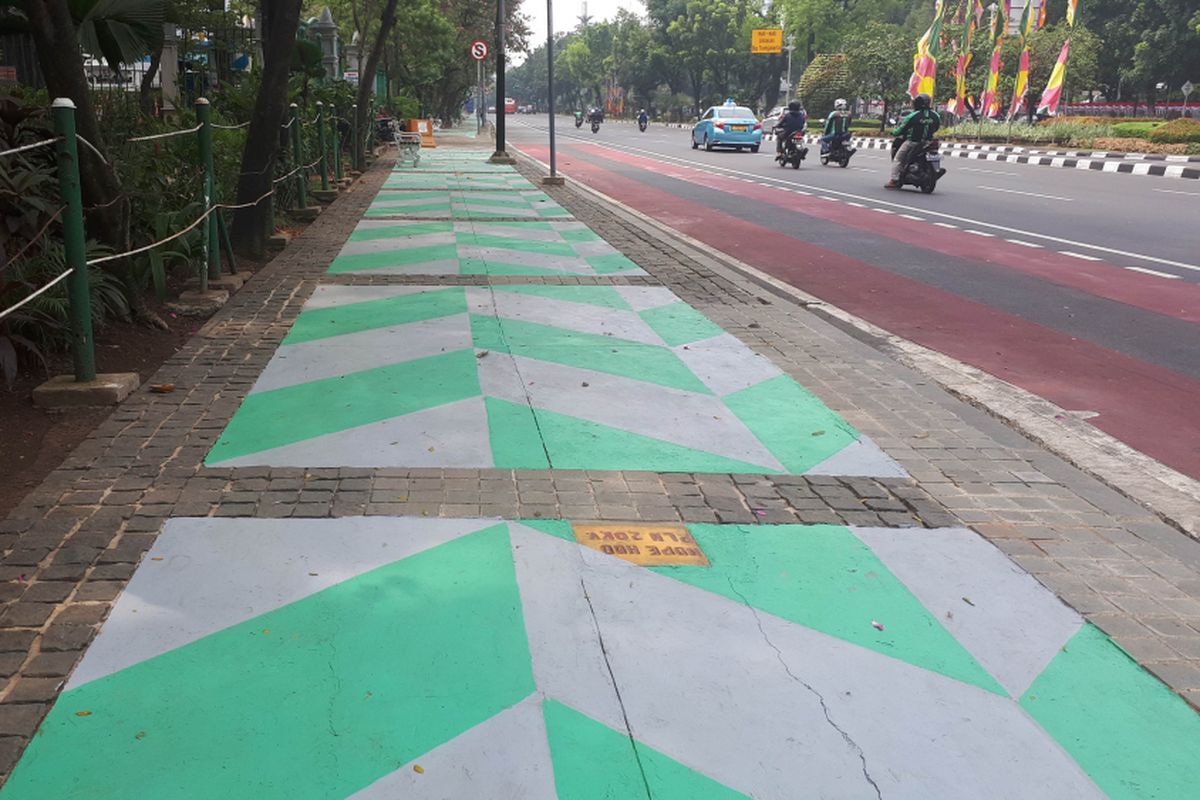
(839, 104)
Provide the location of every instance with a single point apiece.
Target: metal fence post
(83, 352)
(355, 142)
(321, 146)
(298, 157)
(212, 242)
(337, 144)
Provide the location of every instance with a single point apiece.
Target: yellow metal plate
(647, 545)
(766, 40)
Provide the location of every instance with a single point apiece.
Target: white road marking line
(1006, 229)
(852, 203)
(980, 233)
(990, 171)
(945, 225)
(831, 199)
(801, 191)
(913, 217)
(1080, 255)
(1023, 244)
(883, 211)
(1173, 191)
(1027, 194)
(1154, 272)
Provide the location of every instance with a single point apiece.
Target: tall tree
(280, 19)
(366, 78)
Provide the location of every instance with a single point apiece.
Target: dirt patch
(1120, 145)
(34, 441)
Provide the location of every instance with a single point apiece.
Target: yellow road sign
(648, 545)
(766, 40)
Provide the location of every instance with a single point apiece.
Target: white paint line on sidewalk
(1027, 194)
(1080, 255)
(1154, 272)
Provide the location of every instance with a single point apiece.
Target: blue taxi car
(728, 125)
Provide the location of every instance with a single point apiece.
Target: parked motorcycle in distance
(839, 153)
(794, 150)
(924, 168)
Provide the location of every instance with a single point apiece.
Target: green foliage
(1134, 130)
(1177, 131)
(827, 78)
(878, 66)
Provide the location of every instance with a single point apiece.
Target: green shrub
(1134, 130)
(824, 80)
(1177, 131)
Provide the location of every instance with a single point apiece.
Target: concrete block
(553, 180)
(194, 303)
(325, 196)
(278, 241)
(62, 391)
(305, 214)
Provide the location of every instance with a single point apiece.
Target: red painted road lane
(1141, 404)
(1164, 296)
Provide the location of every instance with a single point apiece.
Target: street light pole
(791, 45)
(553, 179)
(500, 156)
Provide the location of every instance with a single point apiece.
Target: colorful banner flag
(1021, 87)
(964, 57)
(1041, 18)
(1050, 97)
(1072, 7)
(925, 61)
(989, 104)
(1027, 20)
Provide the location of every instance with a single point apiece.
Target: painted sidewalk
(420, 658)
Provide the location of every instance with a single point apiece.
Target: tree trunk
(62, 66)
(366, 76)
(249, 230)
(145, 91)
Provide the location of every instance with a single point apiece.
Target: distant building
(1017, 10)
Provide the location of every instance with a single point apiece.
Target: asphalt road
(1082, 287)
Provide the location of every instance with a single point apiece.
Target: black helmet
(921, 101)
(794, 105)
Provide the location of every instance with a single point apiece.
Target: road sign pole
(1187, 90)
(500, 156)
(550, 86)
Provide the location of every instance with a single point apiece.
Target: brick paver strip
(71, 545)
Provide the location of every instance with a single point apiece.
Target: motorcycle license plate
(932, 157)
(737, 127)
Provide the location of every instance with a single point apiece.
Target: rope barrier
(32, 241)
(42, 290)
(297, 169)
(231, 127)
(166, 135)
(92, 147)
(33, 146)
(288, 124)
(116, 199)
(153, 245)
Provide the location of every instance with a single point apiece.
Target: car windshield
(735, 112)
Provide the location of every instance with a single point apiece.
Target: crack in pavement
(820, 698)
(616, 689)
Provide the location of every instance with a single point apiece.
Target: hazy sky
(566, 15)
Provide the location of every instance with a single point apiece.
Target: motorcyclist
(918, 127)
(837, 126)
(595, 114)
(643, 117)
(578, 117)
(793, 121)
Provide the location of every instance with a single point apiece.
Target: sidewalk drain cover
(647, 545)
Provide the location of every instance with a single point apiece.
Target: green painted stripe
(401, 229)
(593, 762)
(520, 245)
(795, 426)
(307, 410)
(514, 437)
(560, 528)
(476, 267)
(825, 578)
(316, 699)
(517, 227)
(400, 211)
(321, 323)
(400, 257)
(679, 323)
(579, 235)
(611, 263)
(580, 444)
(1131, 734)
(603, 296)
(609, 354)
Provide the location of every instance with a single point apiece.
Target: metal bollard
(83, 352)
(298, 157)
(355, 142)
(212, 243)
(324, 166)
(337, 144)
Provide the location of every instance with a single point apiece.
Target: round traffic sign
(479, 49)
(1187, 88)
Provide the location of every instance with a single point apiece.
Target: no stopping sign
(479, 49)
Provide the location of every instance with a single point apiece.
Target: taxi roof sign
(766, 40)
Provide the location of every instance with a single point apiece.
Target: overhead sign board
(479, 49)
(766, 40)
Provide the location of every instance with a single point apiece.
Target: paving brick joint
(72, 545)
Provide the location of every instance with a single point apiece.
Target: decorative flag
(964, 58)
(1022, 84)
(1027, 19)
(1072, 6)
(989, 104)
(925, 61)
(1050, 97)
(1041, 19)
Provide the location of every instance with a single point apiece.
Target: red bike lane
(1142, 404)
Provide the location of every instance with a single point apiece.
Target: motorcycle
(642, 125)
(924, 168)
(794, 150)
(838, 153)
(595, 126)
(578, 119)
